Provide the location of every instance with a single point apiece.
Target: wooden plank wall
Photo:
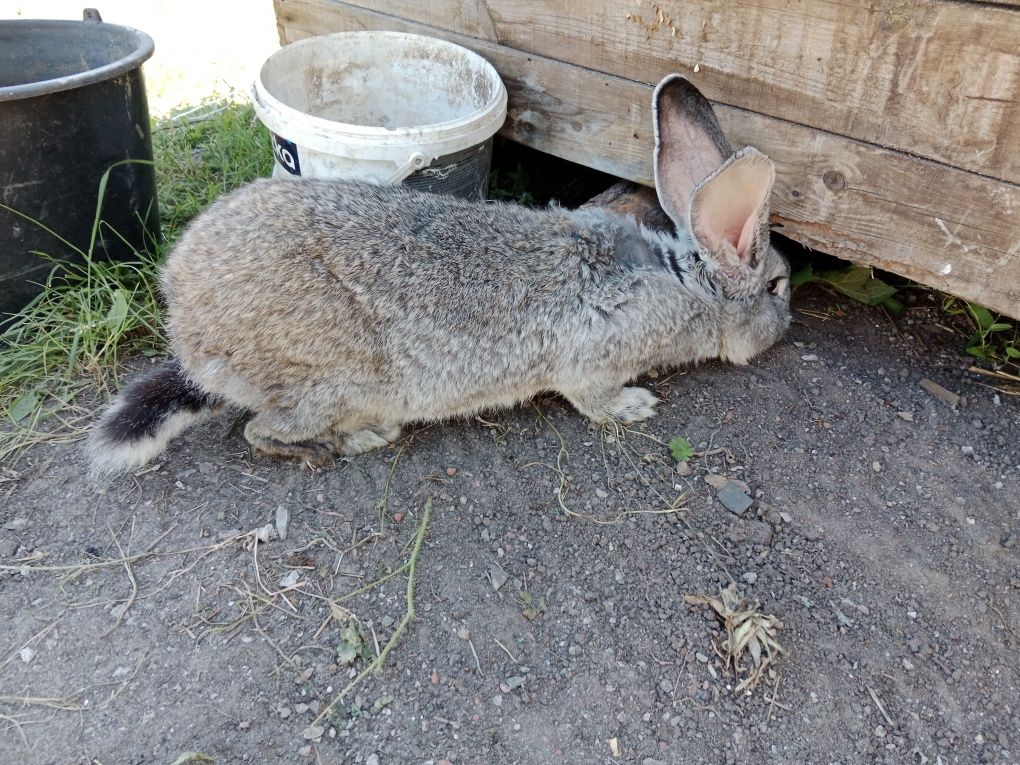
(895, 126)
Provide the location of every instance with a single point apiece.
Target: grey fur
(338, 311)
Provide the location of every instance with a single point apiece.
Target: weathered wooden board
(951, 229)
(940, 80)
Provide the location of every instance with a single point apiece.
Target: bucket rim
(481, 124)
(144, 48)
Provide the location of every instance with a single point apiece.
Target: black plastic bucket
(72, 106)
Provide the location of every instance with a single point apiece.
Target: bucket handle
(415, 161)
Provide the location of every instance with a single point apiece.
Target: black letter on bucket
(286, 155)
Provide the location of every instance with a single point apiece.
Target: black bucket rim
(144, 48)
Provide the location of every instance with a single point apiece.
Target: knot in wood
(834, 181)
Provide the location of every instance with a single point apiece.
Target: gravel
(539, 636)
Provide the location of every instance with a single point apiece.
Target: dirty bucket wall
(382, 107)
(72, 105)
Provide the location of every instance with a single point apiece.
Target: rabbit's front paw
(625, 405)
(361, 441)
(633, 405)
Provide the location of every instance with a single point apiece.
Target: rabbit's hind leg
(351, 442)
(280, 433)
(624, 405)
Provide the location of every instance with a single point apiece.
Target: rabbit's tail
(147, 414)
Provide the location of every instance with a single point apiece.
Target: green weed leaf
(25, 405)
(803, 276)
(681, 449)
(352, 645)
(858, 283)
(893, 306)
(982, 317)
(118, 312)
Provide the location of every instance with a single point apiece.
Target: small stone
(497, 700)
(434, 677)
(908, 665)
(876, 466)
(244, 725)
(305, 751)
(451, 471)
(601, 493)
(574, 650)
(8, 548)
(284, 712)
(515, 682)
(398, 517)
(733, 499)
(282, 521)
(716, 481)
(266, 533)
(750, 577)
(313, 732)
(652, 761)
(26, 654)
(463, 633)
(614, 746)
(968, 451)
(205, 468)
(497, 577)
(290, 579)
(372, 759)
(18, 524)
(785, 517)
(905, 416)
(701, 657)
(809, 357)
(879, 731)
(684, 469)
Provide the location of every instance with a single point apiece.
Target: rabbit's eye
(777, 285)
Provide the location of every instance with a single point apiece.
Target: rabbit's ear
(729, 210)
(689, 144)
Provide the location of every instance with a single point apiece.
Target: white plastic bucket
(379, 106)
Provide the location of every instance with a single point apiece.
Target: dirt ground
(142, 623)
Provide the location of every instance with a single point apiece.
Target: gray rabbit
(338, 311)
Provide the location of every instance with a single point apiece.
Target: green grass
(993, 338)
(201, 156)
(95, 313)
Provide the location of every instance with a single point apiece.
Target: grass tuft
(204, 152)
(93, 313)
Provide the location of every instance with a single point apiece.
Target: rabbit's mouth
(745, 335)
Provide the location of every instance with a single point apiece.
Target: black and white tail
(143, 419)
